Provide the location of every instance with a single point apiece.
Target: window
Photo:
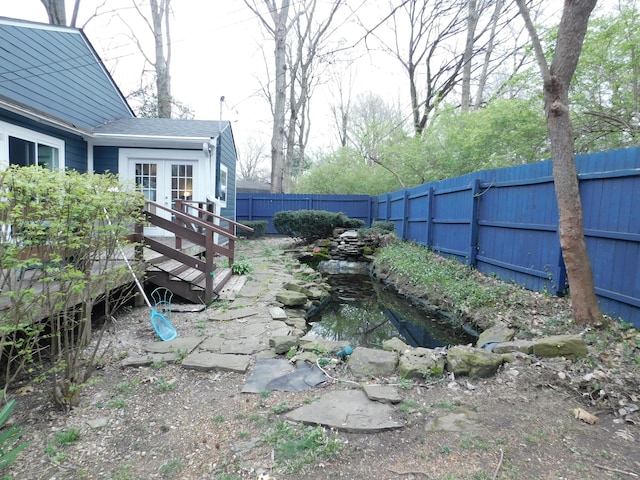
(25, 153)
(25, 147)
(223, 183)
(146, 179)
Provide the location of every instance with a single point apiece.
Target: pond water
(365, 313)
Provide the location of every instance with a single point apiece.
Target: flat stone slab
(281, 375)
(348, 411)
(461, 421)
(175, 345)
(205, 361)
(235, 314)
(277, 313)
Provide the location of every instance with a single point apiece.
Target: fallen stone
(382, 393)
(498, 333)
(321, 346)
(296, 287)
(474, 362)
(370, 362)
(461, 421)
(289, 298)
(98, 423)
(147, 360)
(522, 346)
(570, 346)
(277, 313)
(282, 344)
(348, 411)
(395, 345)
(420, 363)
(205, 361)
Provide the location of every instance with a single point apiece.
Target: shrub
(259, 229)
(9, 449)
(312, 225)
(379, 228)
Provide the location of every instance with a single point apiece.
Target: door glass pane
(181, 183)
(146, 178)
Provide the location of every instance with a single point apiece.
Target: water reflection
(364, 313)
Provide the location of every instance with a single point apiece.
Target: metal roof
(55, 70)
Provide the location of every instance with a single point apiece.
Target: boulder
(497, 333)
(522, 346)
(474, 362)
(420, 363)
(370, 362)
(282, 344)
(289, 298)
(570, 346)
(395, 345)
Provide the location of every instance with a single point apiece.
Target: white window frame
(9, 130)
(224, 186)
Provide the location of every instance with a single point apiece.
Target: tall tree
(277, 25)
(57, 12)
(556, 79)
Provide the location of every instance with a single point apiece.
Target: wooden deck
(185, 261)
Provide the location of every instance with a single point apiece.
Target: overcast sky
(216, 52)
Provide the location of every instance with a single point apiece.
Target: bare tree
(341, 107)
(556, 79)
(251, 156)
(57, 12)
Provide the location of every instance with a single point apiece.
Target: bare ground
(168, 422)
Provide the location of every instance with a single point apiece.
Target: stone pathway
(240, 339)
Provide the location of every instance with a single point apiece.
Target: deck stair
(187, 262)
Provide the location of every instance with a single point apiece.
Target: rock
(205, 361)
(474, 362)
(382, 393)
(395, 345)
(420, 363)
(522, 346)
(296, 287)
(289, 298)
(497, 333)
(277, 313)
(370, 362)
(570, 346)
(283, 344)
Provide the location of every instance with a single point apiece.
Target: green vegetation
(67, 227)
(259, 229)
(311, 225)
(447, 280)
(295, 446)
(241, 268)
(9, 437)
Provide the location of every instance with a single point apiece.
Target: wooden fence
(505, 222)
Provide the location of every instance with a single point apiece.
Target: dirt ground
(167, 422)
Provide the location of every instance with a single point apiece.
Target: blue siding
(105, 159)
(229, 158)
(56, 71)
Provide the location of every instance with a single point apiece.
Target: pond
(365, 313)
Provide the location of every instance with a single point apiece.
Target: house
(60, 108)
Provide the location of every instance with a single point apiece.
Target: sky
(216, 51)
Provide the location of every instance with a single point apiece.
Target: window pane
(48, 157)
(21, 152)
(146, 180)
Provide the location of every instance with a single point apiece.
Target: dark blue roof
(55, 70)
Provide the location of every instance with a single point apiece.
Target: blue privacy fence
(505, 222)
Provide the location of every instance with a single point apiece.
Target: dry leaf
(585, 416)
(25, 390)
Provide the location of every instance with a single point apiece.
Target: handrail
(198, 231)
(199, 209)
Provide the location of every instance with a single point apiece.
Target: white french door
(164, 182)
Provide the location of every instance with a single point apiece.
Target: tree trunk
(55, 11)
(573, 26)
(160, 19)
(472, 23)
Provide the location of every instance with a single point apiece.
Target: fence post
(250, 209)
(430, 205)
(405, 214)
(388, 212)
(473, 223)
